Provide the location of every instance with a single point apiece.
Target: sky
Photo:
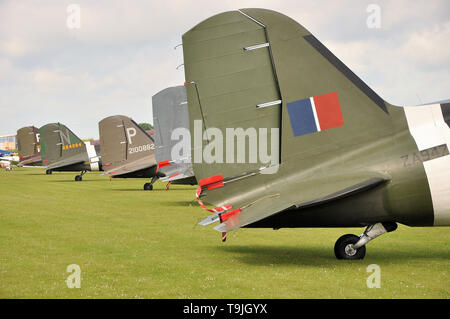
(124, 52)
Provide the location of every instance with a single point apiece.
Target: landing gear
(351, 247)
(48, 172)
(79, 178)
(149, 186)
(344, 248)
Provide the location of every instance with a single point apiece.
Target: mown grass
(131, 243)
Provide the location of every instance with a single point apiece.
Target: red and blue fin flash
(315, 114)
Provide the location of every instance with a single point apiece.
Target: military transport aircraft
(29, 147)
(127, 150)
(341, 155)
(62, 150)
(171, 122)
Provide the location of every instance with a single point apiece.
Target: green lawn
(131, 243)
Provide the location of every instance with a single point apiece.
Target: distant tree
(146, 126)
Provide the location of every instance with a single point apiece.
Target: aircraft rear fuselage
(414, 193)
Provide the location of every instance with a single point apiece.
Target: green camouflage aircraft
(29, 147)
(62, 150)
(340, 155)
(127, 150)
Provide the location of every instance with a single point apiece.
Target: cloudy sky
(123, 53)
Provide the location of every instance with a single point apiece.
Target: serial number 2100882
(141, 148)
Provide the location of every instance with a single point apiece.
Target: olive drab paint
(62, 150)
(126, 149)
(29, 146)
(245, 68)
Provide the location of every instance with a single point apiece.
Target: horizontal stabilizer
(267, 206)
(131, 167)
(352, 190)
(174, 177)
(210, 220)
(66, 163)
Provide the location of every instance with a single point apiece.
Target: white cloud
(15, 47)
(429, 46)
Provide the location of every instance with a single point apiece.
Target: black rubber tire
(343, 242)
(148, 187)
(78, 178)
(48, 172)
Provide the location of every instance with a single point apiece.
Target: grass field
(131, 243)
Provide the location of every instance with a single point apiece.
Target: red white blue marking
(315, 114)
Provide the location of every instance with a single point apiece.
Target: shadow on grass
(270, 255)
(181, 203)
(175, 189)
(138, 189)
(320, 256)
(74, 181)
(141, 188)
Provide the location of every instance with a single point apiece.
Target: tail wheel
(78, 178)
(48, 172)
(148, 187)
(343, 249)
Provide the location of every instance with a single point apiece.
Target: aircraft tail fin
(170, 117)
(28, 145)
(264, 85)
(60, 145)
(233, 96)
(123, 141)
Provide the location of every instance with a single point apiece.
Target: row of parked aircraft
(344, 157)
(127, 150)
